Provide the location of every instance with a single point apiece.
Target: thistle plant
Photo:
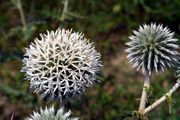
(51, 114)
(152, 48)
(61, 64)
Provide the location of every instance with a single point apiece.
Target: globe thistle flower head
(152, 48)
(51, 114)
(61, 64)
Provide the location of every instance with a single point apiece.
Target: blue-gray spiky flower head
(152, 48)
(61, 64)
(51, 114)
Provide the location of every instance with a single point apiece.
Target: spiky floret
(51, 114)
(61, 65)
(152, 47)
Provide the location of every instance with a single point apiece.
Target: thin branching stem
(163, 98)
(144, 93)
(23, 20)
(63, 16)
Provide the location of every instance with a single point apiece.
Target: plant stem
(63, 16)
(163, 98)
(144, 93)
(19, 6)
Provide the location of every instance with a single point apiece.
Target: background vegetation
(107, 23)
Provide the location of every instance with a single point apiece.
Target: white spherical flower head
(51, 114)
(61, 64)
(152, 47)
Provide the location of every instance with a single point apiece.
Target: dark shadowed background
(107, 23)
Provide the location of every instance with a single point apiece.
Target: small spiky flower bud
(51, 114)
(61, 65)
(151, 48)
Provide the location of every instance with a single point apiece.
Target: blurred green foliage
(107, 23)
